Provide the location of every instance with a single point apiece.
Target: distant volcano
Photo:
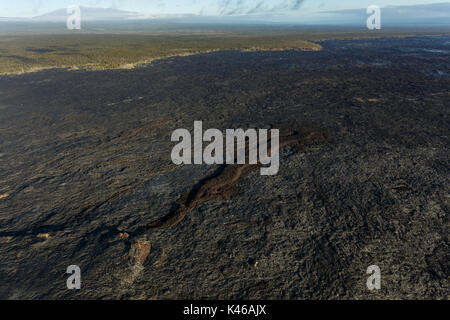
(426, 14)
(88, 13)
(411, 15)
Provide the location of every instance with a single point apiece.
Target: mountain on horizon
(430, 14)
(425, 14)
(88, 13)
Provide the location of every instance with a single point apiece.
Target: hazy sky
(29, 8)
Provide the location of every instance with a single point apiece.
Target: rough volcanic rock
(85, 164)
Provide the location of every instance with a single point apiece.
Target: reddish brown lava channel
(222, 183)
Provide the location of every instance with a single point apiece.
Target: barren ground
(85, 167)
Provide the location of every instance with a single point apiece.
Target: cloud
(246, 7)
(422, 10)
(436, 13)
(38, 5)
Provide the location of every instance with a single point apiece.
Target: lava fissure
(222, 183)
